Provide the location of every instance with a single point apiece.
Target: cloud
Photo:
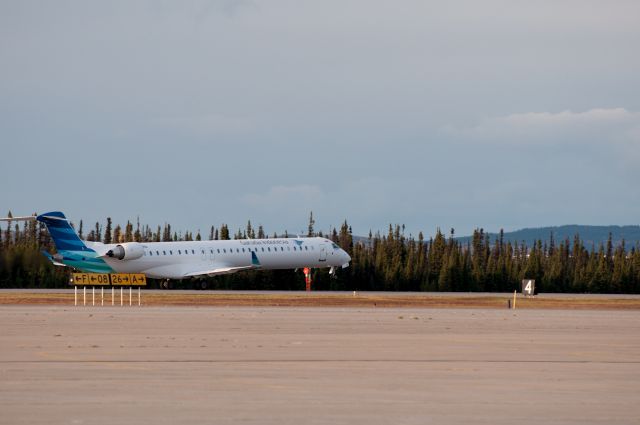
(279, 197)
(596, 126)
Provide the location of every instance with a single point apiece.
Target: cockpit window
(335, 246)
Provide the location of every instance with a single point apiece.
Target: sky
(452, 114)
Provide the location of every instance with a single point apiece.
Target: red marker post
(307, 278)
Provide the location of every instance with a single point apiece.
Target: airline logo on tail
(72, 251)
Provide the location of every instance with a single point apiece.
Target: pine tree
(7, 235)
(345, 238)
(312, 222)
(137, 236)
(166, 233)
(224, 232)
(107, 232)
(128, 232)
(98, 233)
(117, 234)
(32, 232)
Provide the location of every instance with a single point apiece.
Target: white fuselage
(177, 260)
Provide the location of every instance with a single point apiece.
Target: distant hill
(589, 235)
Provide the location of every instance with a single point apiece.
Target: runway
(104, 365)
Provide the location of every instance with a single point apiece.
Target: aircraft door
(207, 255)
(323, 253)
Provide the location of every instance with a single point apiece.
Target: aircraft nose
(347, 257)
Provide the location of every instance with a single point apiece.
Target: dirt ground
(347, 299)
(338, 365)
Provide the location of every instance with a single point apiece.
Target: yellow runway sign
(90, 279)
(120, 279)
(104, 279)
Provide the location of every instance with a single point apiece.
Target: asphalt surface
(105, 365)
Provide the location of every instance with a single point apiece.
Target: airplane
(185, 259)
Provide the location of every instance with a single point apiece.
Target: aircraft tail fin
(63, 235)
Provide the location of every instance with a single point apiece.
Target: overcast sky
(456, 114)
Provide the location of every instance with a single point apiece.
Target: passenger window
(179, 251)
(150, 252)
(224, 250)
(164, 252)
(262, 249)
(242, 249)
(170, 252)
(157, 252)
(306, 248)
(193, 251)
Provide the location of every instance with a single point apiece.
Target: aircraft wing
(221, 270)
(255, 264)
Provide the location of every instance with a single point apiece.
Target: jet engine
(126, 251)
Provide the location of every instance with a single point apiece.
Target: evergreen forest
(390, 261)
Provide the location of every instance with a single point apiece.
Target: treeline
(382, 262)
(395, 262)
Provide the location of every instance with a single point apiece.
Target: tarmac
(277, 365)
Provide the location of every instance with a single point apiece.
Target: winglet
(254, 259)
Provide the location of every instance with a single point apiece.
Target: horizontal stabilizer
(52, 259)
(25, 218)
